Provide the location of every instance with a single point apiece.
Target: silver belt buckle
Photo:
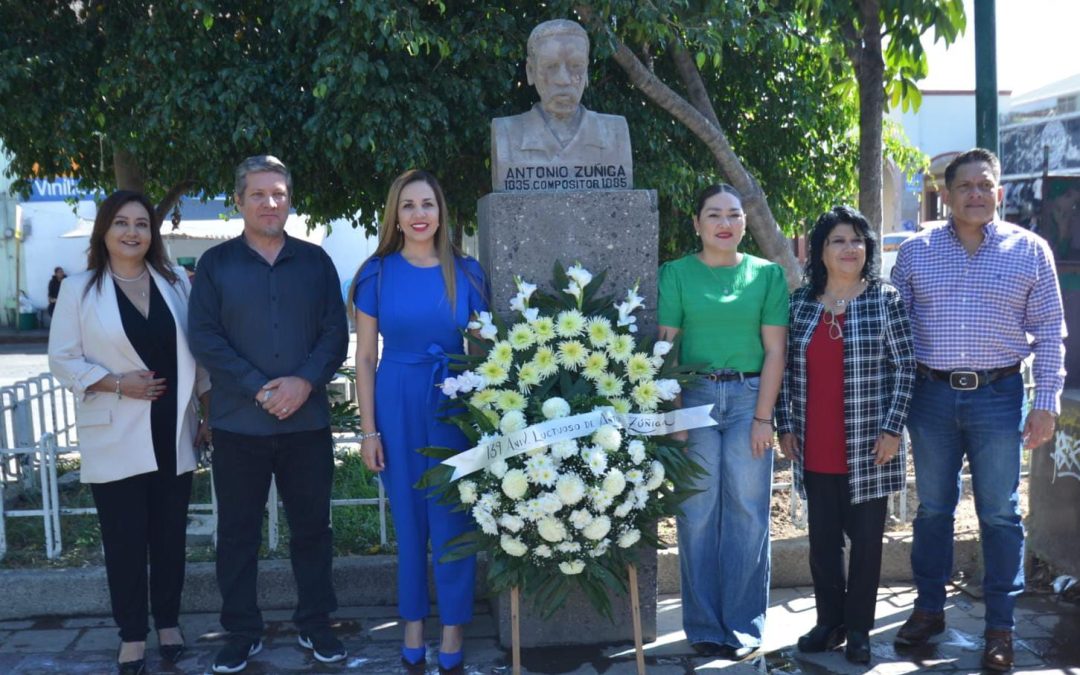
(964, 380)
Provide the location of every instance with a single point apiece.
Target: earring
(398, 226)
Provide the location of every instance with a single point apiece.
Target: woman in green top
(730, 311)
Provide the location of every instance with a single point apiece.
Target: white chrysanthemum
(489, 501)
(570, 489)
(600, 549)
(614, 482)
(646, 395)
(467, 491)
(498, 468)
(521, 337)
(484, 398)
(661, 348)
(668, 389)
(546, 362)
(541, 470)
(485, 520)
(555, 408)
(530, 510)
(551, 529)
(513, 546)
(580, 518)
(543, 329)
(600, 499)
(512, 421)
(641, 497)
(629, 538)
(501, 353)
(607, 437)
(623, 509)
(609, 385)
(639, 367)
(542, 551)
(621, 348)
(571, 567)
(528, 377)
(568, 547)
(598, 528)
(494, 373)
(595, 458)
(656, 476)
(565, 449)
(599, 331)
(621, 405)
(595, 366)
(508, 400)
(569, 323)
(572, 354)
(515, 484)
(636, 448)
(549, 503)
(509, 521)
(634, 476)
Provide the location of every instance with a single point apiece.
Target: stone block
(615, 230)
(1053, 526)
(577, 623)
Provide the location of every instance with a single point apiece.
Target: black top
(250, 322)
(154, 339)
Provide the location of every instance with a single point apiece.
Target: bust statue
(559, 144)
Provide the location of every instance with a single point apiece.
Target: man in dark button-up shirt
(266, 319)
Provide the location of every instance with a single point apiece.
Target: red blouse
(825, 445)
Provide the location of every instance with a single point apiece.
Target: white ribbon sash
(576, 426)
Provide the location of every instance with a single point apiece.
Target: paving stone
(97, 639)
(90, 622)
(16, 624)
(30, 641)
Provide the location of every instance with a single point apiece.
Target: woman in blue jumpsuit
(418, 291)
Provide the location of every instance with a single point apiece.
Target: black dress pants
(141, 515)
(302, 464)
(843, 599)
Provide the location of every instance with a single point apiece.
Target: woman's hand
(789, 446)
(142, 384)
(885, 448)
(372, 452)
(761, 438)
(204, 437)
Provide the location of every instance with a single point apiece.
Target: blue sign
(57, 190)
(914, 183)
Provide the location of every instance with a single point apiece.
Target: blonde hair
(392, 240)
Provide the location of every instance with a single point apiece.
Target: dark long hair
(97, 260)
(815, 274)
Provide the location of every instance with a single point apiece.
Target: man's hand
(1038, 429)
(283, 396)
(789, 446)
(886, 448)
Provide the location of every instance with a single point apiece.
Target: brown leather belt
(968, 380)
(729, 375)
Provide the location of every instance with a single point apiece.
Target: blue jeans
(983, 424)
(724, 529)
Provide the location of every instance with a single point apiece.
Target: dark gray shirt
(250, 322)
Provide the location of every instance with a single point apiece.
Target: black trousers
(144, 519)
(302, 464)
(843, 599)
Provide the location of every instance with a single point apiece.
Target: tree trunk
(870, 73)
(760, 220)
(129, 175)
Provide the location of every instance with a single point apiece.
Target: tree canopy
(168, 97)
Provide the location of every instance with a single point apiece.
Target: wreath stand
(635, 608)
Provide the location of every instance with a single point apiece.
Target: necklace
(142, 292)
(726, 287)
(837, 307)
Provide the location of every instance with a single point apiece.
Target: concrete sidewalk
(1048, 639)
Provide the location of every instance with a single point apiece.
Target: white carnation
(598, 528)
(656, 476)
(637, 451)
(551, 529)
(511, 522)
(607, 437)
(555, 408)
(572, 567)
(629, 538)
(623, 509)
(549, 503)
(565, 449)
(542, 551)
(580, 518)
(513, 546)
(570, 488)
(497, 468)
(515, 484)
(512, 421)
(467, 491)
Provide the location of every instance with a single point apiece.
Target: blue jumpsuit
(419, 332)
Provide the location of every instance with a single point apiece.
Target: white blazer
(86, 343)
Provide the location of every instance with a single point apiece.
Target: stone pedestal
(1054, 508)
(524, 234)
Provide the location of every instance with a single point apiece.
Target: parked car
(890, 245)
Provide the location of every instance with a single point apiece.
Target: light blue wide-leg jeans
(724, 529)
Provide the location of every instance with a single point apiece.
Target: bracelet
(763, 420)
(118, 394)
(370, 434)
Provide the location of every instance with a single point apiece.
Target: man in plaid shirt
(982, 295)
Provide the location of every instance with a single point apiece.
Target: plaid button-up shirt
(879, 375)
(976, 312)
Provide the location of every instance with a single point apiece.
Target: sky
(1038, 42)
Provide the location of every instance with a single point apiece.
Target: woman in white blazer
(118, 341)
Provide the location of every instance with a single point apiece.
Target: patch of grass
(356, 528)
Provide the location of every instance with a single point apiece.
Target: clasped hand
(283, 396)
